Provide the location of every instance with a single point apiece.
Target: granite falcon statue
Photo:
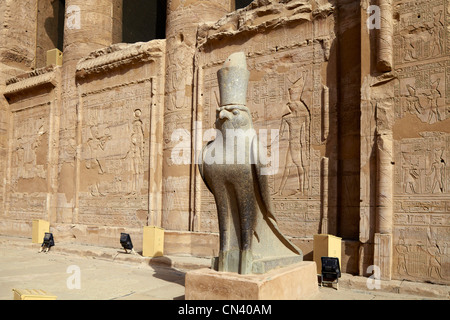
(231, 167)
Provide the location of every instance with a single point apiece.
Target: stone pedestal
(295, 282)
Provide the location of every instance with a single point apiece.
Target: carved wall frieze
(261, 16)
(31, 80)
(119, 55)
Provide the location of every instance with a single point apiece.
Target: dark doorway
(49, 28)
(143, 20)
(242, 3)
(61, 12)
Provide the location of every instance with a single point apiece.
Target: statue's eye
(235, 112)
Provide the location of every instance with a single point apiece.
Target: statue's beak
(224, 114)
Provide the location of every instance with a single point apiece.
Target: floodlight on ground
(330, 271)
(125, 241)
(48, 242)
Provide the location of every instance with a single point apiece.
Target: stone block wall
(108, 142)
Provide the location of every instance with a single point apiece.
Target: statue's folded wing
(200, 165)
(258, 163)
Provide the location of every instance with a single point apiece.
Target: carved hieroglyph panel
(422, 208)
(298, 127)
(422, 59)
(420, 29)
(422, 91)
(28, 186)
(113, 187)
(422, 176)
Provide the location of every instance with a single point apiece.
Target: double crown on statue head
(233, 81)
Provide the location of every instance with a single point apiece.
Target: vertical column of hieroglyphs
(183, 18)
(89, 25)
(292, 107)
(422, 141)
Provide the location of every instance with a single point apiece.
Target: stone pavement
(77, 272)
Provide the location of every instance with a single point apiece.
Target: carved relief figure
(420, 31)
(413, 101)
(423, 164)
(424, 98)
(402, 251)
(433, 94)
(297, 124)
(411, 175)
(434, 251)
(138, 128)
(136, 152)
(178, 78)
(24, 153)
(434, 264)
(19, 156)
(96, 144)
(437, 172)
(437, 34)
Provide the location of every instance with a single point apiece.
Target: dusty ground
(74, 272)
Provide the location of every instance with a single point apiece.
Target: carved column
(385, 179)
(89, 25)
(324, 189)
(385, 49)
(183, 19)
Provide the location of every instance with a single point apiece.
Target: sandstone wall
(108, 142)
(119, 135)
(183, 18)
(288, 47)
(421, 146)
(31, 159)
(405, 140)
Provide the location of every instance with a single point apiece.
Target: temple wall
(108, 142)
(119, 129)
(287, 47)
(405, 135)
(31, 159)
(183, 18)
(421, 141)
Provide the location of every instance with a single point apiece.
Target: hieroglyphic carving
(296, 123)
(27, 180)
(422, 165)
(422, 223)
(115, 155)
(421, 92)
(420, 30)
(285, 93)
(421, 184)
(422, 252)
(421, 59)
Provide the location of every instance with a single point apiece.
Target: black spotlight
(48, 242)
(330, 271)
(125, 241)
